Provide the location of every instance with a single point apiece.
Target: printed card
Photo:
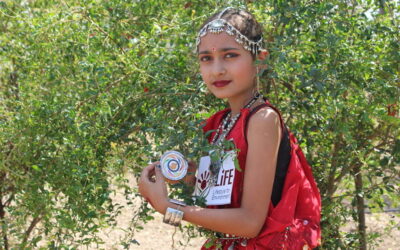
(221, 192)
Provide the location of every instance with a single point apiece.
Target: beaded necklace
(229, 122)
(223, 130)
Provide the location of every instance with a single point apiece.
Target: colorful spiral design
(173, 165)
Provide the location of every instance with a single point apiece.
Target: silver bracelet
(173, 216)
(177, 202)
(167, 216)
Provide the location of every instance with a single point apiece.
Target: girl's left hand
(153, 188)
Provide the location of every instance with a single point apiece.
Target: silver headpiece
(218, 25)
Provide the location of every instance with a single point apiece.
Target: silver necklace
(223, 130)
(229, 122)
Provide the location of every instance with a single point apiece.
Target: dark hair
(242, 20)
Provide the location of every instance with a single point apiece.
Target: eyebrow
(220, 50)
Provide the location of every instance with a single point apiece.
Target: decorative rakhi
(173, 165)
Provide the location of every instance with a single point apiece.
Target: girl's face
(226, 67)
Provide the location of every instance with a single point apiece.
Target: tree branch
(362, 146)
(360, 207)
(34, 222)
(331, 178)
(2, 221)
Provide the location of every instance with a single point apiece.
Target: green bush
(92, 88)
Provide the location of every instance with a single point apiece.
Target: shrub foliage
(91, 89)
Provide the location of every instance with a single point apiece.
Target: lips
(220, 84)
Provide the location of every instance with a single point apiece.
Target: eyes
(206, 58)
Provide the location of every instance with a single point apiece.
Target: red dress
(294, 222)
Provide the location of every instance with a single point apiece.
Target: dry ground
(157, 235)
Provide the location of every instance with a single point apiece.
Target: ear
(261, 59)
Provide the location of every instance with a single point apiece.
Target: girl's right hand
(153, 188)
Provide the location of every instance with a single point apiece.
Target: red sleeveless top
(239, 138)
(277, 220)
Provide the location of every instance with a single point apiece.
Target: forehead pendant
(218, 25)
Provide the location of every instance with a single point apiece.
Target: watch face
(173, 165)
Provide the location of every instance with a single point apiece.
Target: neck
(238, 102)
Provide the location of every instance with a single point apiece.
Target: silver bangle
(177, 202)
(173, 216)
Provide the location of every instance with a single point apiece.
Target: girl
(254, 207)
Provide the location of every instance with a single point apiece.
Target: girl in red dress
(272, 201)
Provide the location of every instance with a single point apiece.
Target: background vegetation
(91, 89)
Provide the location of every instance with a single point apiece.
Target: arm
(263, 139)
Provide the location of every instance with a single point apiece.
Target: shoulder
(264, 119)
(264, 134)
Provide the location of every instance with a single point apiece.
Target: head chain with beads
(218, 25)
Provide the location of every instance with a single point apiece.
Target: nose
(218, 68)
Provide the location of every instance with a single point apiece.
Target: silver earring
(258, 81)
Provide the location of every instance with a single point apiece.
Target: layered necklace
(223, 130)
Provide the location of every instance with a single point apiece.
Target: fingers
(151, 175)
(148, 172)
(159, 175)
(192, 164)
(192, 167)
